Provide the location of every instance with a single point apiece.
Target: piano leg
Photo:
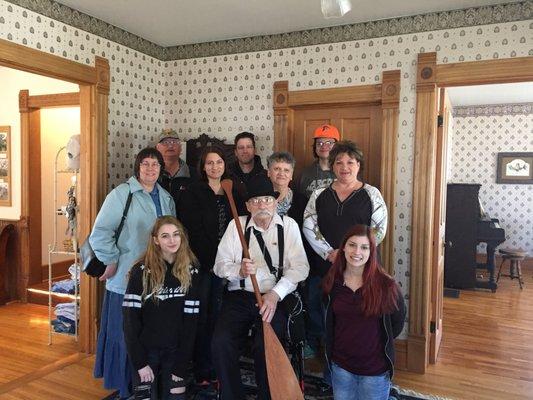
(491, 283)
(490, 266)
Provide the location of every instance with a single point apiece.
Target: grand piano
(467, 225)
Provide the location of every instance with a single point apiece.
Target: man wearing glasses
(318, 174)
(278, 260)
(176, 176)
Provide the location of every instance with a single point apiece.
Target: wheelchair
(295, 333)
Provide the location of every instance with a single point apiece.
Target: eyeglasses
(327, 143)
(170, 142)
(146, 164)
(261, 200)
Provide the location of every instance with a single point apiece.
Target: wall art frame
(5, 166)
(515, 168)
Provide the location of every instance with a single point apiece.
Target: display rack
(54, 247)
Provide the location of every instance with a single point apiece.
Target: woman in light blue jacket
(149, 201)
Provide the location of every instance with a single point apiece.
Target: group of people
(178, 285)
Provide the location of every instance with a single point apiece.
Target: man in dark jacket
(176, 176)
(248, 164)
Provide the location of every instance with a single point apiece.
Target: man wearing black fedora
(278, 260)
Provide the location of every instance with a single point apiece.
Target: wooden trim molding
(507, 70)
(54, 100)
(93, 189)
(400, 353)
(431, 76)
(103, 80)
(365, 94)
(422, 217)
(281, 115)
(30, 60)
(93, 100)
(390, 106)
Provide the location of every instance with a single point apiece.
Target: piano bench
(515, 256)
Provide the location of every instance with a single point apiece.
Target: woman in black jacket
(205, 212)
(365, 311)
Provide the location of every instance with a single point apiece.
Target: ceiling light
(335, 8)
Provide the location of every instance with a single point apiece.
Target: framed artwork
(5, 166)
(516, 168)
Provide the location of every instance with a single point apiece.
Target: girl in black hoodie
(161, 308)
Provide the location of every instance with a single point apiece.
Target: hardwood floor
(30, 369)
(486, 353)
(487, 346)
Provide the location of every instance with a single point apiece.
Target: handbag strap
(126, 208)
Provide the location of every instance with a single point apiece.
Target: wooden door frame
(385, 94)
(29, 108)
(94, 84)
(430, 77)
(440, 205)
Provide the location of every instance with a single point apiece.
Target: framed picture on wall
(516, 168)
(5, 166)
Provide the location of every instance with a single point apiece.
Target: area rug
(312, 389)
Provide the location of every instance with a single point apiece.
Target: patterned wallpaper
(136, 102)
(479, 134)
(473, 16)
(222, 95)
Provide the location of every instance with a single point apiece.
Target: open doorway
(475, 125)
(486, 122)
(53, 129)
(51, 123)
(53, 117)
(483, 216)
(92, 82)
(474, 211)
(432, 76)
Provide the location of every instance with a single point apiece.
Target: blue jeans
(348, 386)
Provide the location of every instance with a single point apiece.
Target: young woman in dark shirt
(365, 311)
(161, 308)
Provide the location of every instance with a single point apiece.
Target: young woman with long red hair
(365, 311)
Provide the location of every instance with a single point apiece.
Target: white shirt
(295, 264)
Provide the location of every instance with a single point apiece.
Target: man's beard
(246, 162)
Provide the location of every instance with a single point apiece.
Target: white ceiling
(509, 93)
(175, 22)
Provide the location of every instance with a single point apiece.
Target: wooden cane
(282, 380)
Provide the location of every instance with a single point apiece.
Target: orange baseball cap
(327, 131)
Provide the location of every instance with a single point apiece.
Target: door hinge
(432, 327)
(440, 121)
